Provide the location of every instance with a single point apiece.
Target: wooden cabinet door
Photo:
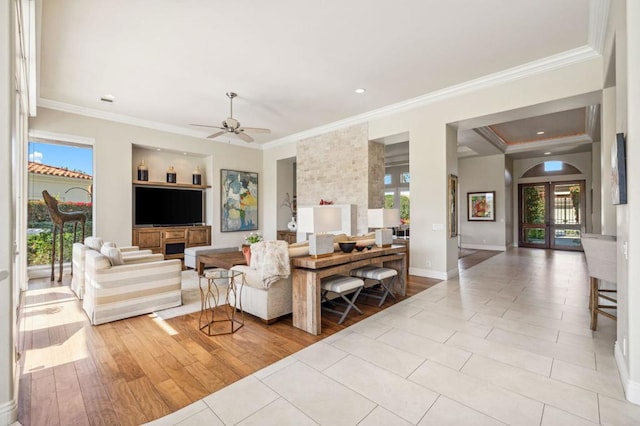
(148, 239)
(198, 236)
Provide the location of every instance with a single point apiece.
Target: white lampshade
(383, 218)
(319, 219)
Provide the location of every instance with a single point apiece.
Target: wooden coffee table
(223, 260)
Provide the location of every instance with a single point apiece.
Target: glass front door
(551, 215)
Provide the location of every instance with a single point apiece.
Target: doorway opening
(65, 171)
(551, 215)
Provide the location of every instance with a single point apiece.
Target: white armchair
(123, 291)
(130, 254)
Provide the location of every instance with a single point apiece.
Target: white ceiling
(294, 64)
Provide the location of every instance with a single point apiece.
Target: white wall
(115, 165)
(58, 187)
(483, 174)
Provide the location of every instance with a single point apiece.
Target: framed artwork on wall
(239, 201)
(619, 171)
(481, 206)
(453, 206)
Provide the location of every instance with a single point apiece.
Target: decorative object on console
(171, 175)
(319, 220)
(239, 201)
(384, 219)
(143, 172)
(197, 176)
(325, 203)
(292, 226)
(347, 246)
(253, 238)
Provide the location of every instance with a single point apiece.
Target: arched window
(551, 168)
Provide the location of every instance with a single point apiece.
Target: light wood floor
(136, 370)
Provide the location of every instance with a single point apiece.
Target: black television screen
(157, 206)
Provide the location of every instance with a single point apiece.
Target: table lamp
(383, 219)
(318, 220)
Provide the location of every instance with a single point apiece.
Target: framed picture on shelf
(239, 201)
(481, 206)
(453, 206)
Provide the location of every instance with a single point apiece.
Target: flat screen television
(158, 206)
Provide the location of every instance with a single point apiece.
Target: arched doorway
(551, 215)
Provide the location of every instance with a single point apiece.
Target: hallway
(507, 342)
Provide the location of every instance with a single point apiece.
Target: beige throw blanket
(271, 260)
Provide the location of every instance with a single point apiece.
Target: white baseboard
(483, 247)
(631, 387)
(9, 410)
(453, 273)
(428, 273)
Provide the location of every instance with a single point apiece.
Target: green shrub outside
(39, 244)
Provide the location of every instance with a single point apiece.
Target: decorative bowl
(370, 246)
(360, 248)
(347, 246)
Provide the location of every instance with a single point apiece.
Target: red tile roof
(43, 169)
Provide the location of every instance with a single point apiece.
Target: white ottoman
(191, 253)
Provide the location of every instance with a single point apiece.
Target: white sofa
(114, 292)
(130, 254)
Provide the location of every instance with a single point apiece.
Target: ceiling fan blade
(215, 135)
(244, 137)
(207, 125)
(256, 130)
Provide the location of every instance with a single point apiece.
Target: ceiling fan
(231, 125)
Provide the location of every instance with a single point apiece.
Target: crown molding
(591, 120)
(549, 63)
(549, 143)
(133, 121)
(598, 19)
(492, 137)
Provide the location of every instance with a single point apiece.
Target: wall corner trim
(631, 387)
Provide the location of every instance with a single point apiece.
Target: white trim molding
(598, 17)
(428, 273)
(550, 63)
(631, 387)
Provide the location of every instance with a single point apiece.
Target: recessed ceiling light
(360, 91)
(540, 132)
(547, 153)
(184, 153)
(157, 149)
(107, 98)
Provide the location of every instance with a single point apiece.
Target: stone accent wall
(376, 175)
(340, 166)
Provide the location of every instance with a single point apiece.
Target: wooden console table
(308, 272)
(224, 260)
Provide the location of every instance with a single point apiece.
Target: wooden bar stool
(59, 218)
(341, 285)
(600, 252)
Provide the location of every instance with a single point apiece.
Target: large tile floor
(506, 343)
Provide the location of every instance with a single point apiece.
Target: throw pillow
(114, 255)
(109, 244)
(93, 243)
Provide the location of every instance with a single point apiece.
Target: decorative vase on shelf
(292, 225)
(143, 172)
(171, 175)
(197, 176)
